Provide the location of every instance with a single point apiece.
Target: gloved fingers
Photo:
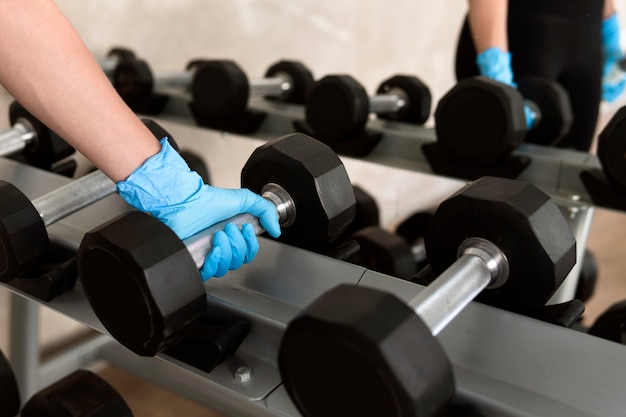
(210, 263)
(252, 242)
(612, 89)
(261, 208)
(531, 116)
(238, 245)
(218, 261)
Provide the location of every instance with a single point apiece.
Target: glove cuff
(496, 64)
(610, 33)
(163, 182)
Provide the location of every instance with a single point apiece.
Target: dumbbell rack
(507, 364)
(555, 171)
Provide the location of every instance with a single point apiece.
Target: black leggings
(559, 40)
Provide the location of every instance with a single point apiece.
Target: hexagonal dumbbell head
(361, 352)
(317, 182)
(480, 121)
(612, 150)
(219, 87)
(337, 107)
(24, 242)
(523, 222)
(144, 287)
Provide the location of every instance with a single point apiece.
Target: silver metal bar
(386, 103)
(173, 79)
(448, 295)
(274, 86)
(16, 138)
(200, 244)
(74, 196)
(24, 352)
(108, 63)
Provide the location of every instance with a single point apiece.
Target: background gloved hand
(496, 64)
(166, 188)
(613, 77)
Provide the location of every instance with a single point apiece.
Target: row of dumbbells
(131, 258)
(478, 123)
(338, 108)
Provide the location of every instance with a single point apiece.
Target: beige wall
(370, 40)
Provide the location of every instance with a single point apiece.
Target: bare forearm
(488, 24)
(48, 69)
(609, 8)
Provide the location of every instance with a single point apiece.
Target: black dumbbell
(24, 240)
(220, 88)
(500, 237)
(10, 401)
(338, 106)
(80, 394)
(479, 122)
(139, 262)
(401, 253)
(30, 138)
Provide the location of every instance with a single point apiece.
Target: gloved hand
(166, 188)
(496, 64)
(613, 77)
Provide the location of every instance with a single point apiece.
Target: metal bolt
(243, 374)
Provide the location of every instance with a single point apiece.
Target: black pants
(559, 40)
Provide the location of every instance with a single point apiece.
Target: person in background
(573, 42)
(46, 67)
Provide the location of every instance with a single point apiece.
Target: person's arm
(48, 69)
(488, 24)
(609, 8)
(613, 76)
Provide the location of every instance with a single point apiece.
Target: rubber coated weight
(47, 147)
(396, 367)
(417, 108)
(387, 346)
(141, 263)
(337, 106)
(612, 150)
(300, 79)
(80, 394)
(10, 395)
(317, 181)
(24, 242)
(556, 110)
(219, 87)
(520, 220)
(480, 121)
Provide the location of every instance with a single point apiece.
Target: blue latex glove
(613, 77)
(166, 188)
(496, 64)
